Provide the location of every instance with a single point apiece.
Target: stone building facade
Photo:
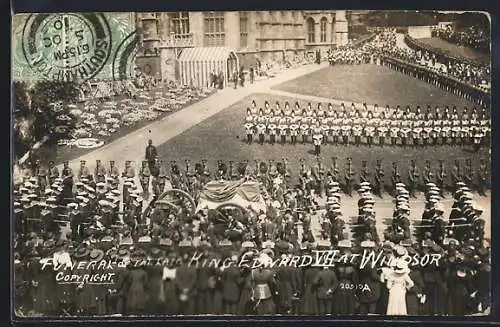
(260, 35)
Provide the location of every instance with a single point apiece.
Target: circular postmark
(124, 57)
(67, 47)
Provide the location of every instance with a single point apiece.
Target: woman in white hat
(398, 282)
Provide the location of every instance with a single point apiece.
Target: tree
(42, 111)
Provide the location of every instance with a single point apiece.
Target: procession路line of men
(369, 126)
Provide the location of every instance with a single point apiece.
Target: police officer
(379, 178)
(413, 177)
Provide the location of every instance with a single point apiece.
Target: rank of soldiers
(362, 125)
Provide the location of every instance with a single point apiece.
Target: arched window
(323, 24)
(310, 30)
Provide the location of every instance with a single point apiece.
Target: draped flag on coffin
(243, 193)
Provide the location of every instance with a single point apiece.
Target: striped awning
(205, 54)
(196, 65)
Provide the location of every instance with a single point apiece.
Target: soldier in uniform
(396, 177)
(304, 129)
(441, 177)
(162, 177)
(379, 179)
(99, 172)
(84, 172)
(129, 171)
(427, 173)
(468, 176)
(456, 175)
(482, 178)
(345, 128)
(381, 129)
(357, 128)
(283, 127)
(113, 172)
(271, 128)
(67, 175)
(394, 128)
(53, 172)
(41, 175)
(413, 177)
(349, 177)
(318, 138)
(294, 130)
(335, 123)
(364, 174)
(249, 128)
(261, 130)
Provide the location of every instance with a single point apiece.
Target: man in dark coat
(185, 282)
(151, 154)
(326, 282)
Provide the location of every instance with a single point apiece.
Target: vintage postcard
(321, 162)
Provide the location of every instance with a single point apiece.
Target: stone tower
(147, 59)
(341, 28)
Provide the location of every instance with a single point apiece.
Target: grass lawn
(222, 137)
(371, 84)
(458, 51)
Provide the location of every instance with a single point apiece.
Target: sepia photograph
(251, 163)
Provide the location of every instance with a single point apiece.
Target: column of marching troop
(374, 126)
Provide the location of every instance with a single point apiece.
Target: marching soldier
(345, 129)
(67, 175)
(394, 128)
(369, 130)
(441, 177)
(162, 178)
(249, 128)
(335, 123)
(482, 178)
(53, 172)
(379, 178)
(317, 138)
(283, 128)
(129, 171)
(427, 173)
(456, 175)
(261, 130)
(396, 177)
(294, 131)
(364, 175)
(272, 130)
(84, 172)
(405, 129)
(357, 128)
(99, 172)
(304, 129)
(113, 172)
(468, 176)
(334, 171)
(349, 177)
(382, 129)
(413, 177)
